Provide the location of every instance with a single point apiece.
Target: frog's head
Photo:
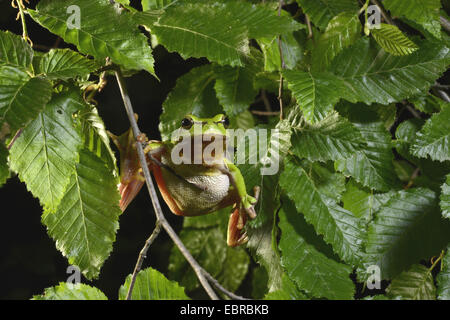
(203, 131)
(206, 127)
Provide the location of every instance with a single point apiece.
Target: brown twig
(265, 100)
(445, 23)
(383, 12)
(265, 113)
(443, 95)
(308, 23)
(222, 289)
(142, 256)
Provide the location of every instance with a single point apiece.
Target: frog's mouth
(205, 148)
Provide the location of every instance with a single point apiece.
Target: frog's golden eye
(225, 122)
(187, 123)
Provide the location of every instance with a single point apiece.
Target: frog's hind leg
(236, 235)
(131, 178)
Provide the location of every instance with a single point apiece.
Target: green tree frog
(193, 173)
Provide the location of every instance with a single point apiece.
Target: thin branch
(383, 12)
(445, 23)
(142, 256)
(222, 289)
(441, 86)
(152, 192)
(265, 100)
(444, 96)
(265, 113)
(308, 23)
(411, 110)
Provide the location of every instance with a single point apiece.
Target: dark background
(29, 260)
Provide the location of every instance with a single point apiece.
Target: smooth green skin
(213, 126)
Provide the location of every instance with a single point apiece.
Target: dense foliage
(363, 139)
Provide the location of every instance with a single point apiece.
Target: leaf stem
(308, 23)
(437, 261)
(142, 256)
(21, 7)
(152, 192)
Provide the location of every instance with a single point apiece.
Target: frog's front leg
(247, 201)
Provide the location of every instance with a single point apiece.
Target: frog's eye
(187, 123)
(225, 122)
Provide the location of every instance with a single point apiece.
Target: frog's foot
(236, 234)
(128, 191)
(249, 203)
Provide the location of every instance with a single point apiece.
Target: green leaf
(427, 103)
(193, 94)
(332, 138)
(291, 47)
(316, 194)
(234, 88)
(392, 40)
(207, 246)
(301, 260)
(443, 278)
(155, 4)
(288, 291)
(415, 284)
(14, 51)
(432, 173)
(204, 31)
(423, 12)
(235, 265)
(410, 219)
(234, 268)
(85, 223)
(46, 152)
(445, 198)
(261, 21)
(372, 75)
(387, 114)
(434, 138)
(322, 11)
(262, 243)
(342, 31)
(361, 203)
(21, 96)
(316, 93)
(4, 170)
(371, 166)
(96, 138)
(219, 32)
(70, 291)
(65, 64)
(243, 120)
(104, 31)
(152, 285)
